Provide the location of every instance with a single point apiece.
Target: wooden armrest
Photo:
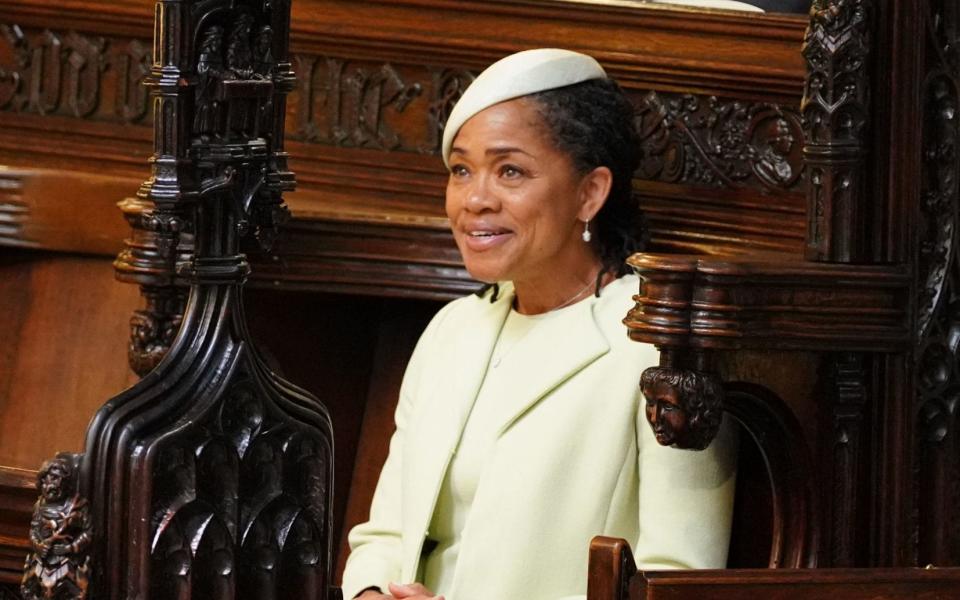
(611, 567)
(798, 584)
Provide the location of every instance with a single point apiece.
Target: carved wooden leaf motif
(726, 143)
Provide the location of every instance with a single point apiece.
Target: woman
(519, 435)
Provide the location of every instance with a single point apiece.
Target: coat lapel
(543, 362)
(460, 365)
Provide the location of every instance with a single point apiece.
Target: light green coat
(576, 459)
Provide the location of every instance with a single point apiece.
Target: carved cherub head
(55, 479)
(683, 407)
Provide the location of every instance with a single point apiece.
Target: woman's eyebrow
(497, 150)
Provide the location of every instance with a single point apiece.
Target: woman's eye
(458, 170)
(510, 171)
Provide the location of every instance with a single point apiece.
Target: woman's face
(515, 201)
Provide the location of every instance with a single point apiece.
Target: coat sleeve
(375, 546)
(685, 501)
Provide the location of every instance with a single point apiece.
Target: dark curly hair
(593, 123)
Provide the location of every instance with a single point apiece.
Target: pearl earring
(586, 231)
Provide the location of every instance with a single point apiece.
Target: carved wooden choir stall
(799, 179)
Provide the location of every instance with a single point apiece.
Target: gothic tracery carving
(835, 109)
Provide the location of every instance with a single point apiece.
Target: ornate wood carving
(355, 98)
(836, 110)
(62, 73)
(60, 532)
(149, 260)
(695, 139)
(938, 356)
(704, 140)
(684, 402)
(211, 478)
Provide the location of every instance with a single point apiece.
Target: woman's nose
(479, 197)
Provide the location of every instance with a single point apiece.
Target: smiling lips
(484, 239)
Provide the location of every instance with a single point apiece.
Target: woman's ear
(594, 189)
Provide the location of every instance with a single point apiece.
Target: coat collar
(578, 343)
(572, 341)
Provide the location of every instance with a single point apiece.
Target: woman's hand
(399, 591)
(412, 591)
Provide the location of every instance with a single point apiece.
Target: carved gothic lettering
(85, 63)
(448, 86)
(13, 79)
(45, 74)
(132, 98)
(306, 126)
(357, 100)
(336, 132)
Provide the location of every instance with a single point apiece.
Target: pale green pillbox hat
(519, 74)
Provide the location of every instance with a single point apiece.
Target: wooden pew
(611, 563)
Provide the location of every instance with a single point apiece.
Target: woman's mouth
(484, 239)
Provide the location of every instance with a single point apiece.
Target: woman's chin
(486, 273)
